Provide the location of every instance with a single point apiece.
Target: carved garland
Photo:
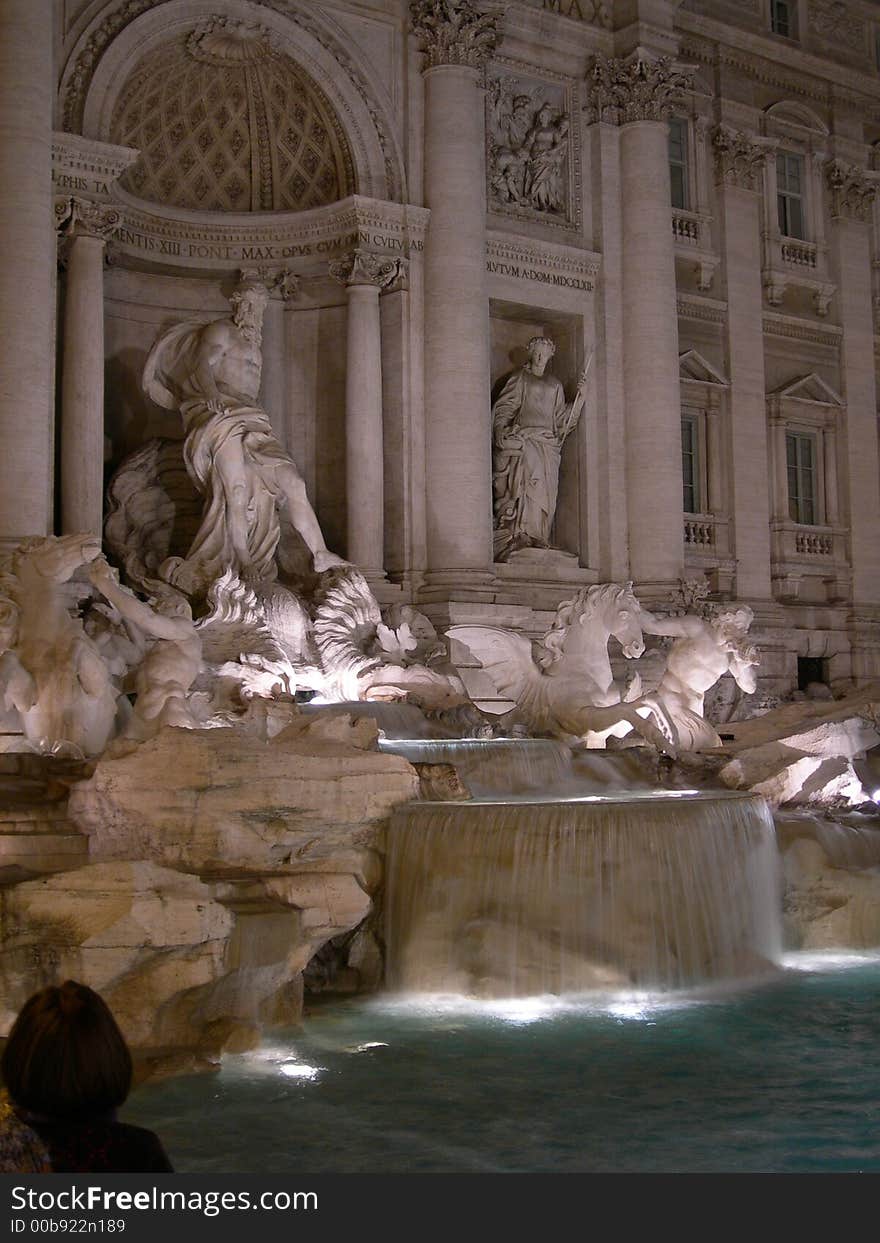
(112, 25)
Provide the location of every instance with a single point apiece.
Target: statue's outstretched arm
(105, 578)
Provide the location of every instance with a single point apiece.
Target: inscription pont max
(183, 248)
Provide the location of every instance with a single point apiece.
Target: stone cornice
(740, 157)
(182, 239)
(853, 190)
(710, 310)
(635, 88)
(77, 217)
(769, 60)
(563, 261)
(776, 324)
(454, 32)
(87, 166)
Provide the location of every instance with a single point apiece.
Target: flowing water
(592, 920)
(778, 1077)
(502, 898)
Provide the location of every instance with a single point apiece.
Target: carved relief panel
(532, 161)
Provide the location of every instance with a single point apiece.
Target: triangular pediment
(693, 366)
(809, 388)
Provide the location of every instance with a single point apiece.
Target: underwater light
(299, 1070)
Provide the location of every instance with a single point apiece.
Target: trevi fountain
(520, 852)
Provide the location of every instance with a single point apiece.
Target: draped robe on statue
(171, 380)
(526, 479)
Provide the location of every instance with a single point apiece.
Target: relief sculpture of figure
(545, 149)
(211, 374)
(530, 421)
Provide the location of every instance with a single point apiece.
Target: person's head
(65, 1056)
(248, 305)
(541, 350)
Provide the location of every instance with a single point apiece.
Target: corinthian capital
(454, 32)
(739, 157)
(852, 190)
(76, 217)
(635, 88)
(362, 267)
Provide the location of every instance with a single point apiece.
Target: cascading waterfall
(494, 765)
(525, 897)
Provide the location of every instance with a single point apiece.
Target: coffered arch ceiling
(289, 59)
(226, 121)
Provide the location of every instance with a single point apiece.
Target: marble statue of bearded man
(211, 373)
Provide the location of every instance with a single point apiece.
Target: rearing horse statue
(564, 684)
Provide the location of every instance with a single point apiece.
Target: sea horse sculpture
(564, 685)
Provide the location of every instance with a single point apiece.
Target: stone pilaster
(364, 276)
(638, 94)
(86, 227)
(739, 174)
(852, 193)
(27, 260)
(457, 41)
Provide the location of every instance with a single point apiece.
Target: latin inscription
(91, 185)
(223, 251)
(535, 274)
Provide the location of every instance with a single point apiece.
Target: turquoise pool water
(780, 1077)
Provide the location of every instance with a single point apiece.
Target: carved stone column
(27, 260)
(457, 41)
(638, 94)
(364, 276)
(739, 170)
(86, 227)
(852, 193)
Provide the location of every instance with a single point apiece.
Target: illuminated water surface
(779, 1077)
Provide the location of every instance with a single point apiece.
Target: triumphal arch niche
(213, 147)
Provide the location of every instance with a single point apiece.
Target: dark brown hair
(65, 1056)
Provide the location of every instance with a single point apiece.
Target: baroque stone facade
(424, 188)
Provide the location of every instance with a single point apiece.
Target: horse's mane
(586, 603)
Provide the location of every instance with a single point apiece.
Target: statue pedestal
(541, 563)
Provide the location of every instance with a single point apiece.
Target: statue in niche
(530, 421)
(704, 649)
(171, 651)
(211, 373)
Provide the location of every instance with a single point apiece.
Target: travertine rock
(222, 801)
(827, 907)
(142, 935)
(810, 768)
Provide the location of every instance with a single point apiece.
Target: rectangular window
(790, 194)
(800, 453)
(678, 166)
(783, 18)
(690, 463)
